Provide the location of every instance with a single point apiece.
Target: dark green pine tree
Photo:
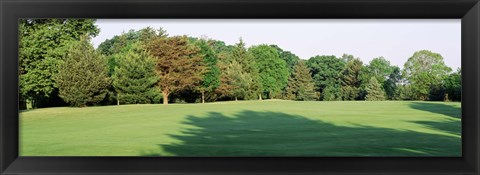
(211, 78)
(134, 77)
(300, 84)
(374, 91)
(351, 79)
(82, 78)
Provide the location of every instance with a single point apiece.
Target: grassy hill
(246, 128)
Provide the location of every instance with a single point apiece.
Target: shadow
(439, 108)
(452, 125)
(273, 134)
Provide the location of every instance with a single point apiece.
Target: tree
(374, 91)
(391, 84)
(332, 93)
(380, 68)
(406, 92)
(351, 79)
(82, 79)
(134, 78)
(424, 70)
(289, 58)
(273, 70)
(211, 79)
(42, 45)
(248, 73)
(347, 57)
(326, 72)
(453, 86)
(238, 81)
(300, 85)
(178, 64)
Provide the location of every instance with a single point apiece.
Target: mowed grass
(246, 128)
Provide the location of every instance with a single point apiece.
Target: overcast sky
(394, 39)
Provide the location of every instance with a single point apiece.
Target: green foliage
(119, 42)
(211, 78)
(239, 74)
(42, 45)
(332, 93)
(380, 68)
(289, 58)
(134, 78)
(374, 91)
(453, 86)
(406, 92)
(424, 70)
(326, 73)
(351, 79)
(83, 78)
(391, 84)
(300, 84)
(273, 70)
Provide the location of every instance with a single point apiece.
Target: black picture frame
(466, 10)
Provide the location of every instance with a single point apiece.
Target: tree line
(58, 66)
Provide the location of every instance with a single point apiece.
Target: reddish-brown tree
(178, 64)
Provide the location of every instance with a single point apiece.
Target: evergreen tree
(247, 77)
(300, 85)
(351, 79)
(178, 64)
(374, 91)
(83, 77)
(211, 79)
(134, 78)
(250, 70)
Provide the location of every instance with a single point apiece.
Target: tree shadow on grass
(439, 108)
(251, 133)
(452, 126)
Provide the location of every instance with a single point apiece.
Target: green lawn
(245, 128)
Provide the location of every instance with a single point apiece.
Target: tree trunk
(165, 98)
(259, 96)
(203, 97)
(236, 99)
(22, 105)
(118, 99)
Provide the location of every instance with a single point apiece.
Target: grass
(245, 128)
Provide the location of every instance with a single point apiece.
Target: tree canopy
(178, 64)
(82, 79)
(424, 70)
(273, 70)
(43, 44)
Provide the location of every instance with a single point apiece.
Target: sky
(394, 39)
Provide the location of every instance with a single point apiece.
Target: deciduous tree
(326, 72)
(273, 70)
(424, 70)
(42, 45)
